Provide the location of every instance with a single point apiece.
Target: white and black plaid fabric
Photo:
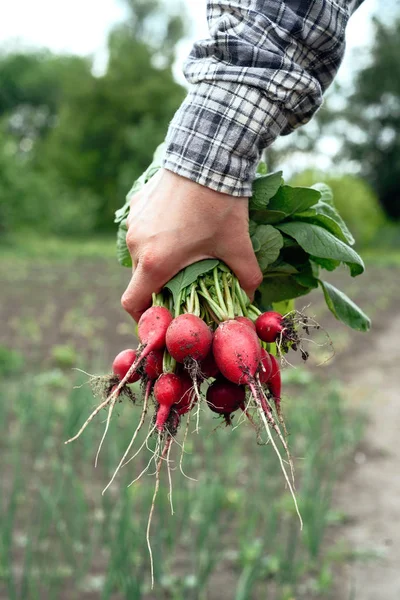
(261, 74)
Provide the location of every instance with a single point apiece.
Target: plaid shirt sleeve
(261, 74)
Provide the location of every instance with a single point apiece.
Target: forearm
(262, 73)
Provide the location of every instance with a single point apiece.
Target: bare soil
(370, 492)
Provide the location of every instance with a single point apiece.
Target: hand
(174, 222)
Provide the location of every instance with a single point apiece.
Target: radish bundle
(204, 346)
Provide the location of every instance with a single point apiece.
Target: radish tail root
(170, 478)
(183, 449)
(268, 413)
(144, 352)
(268, 430)
(110, 410)
(156, 488)
(140, 425)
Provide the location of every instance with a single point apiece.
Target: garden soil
(369, 495)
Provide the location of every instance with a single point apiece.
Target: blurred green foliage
(71, 143)
(356, 201)
(11, 361)
(374, 109)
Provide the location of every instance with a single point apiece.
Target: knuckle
(131, 240)
(125, 302)
(151, 262)
(255, 279)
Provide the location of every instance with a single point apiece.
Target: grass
(234, 528)
(29, 245)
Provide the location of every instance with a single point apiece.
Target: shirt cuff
(217, 135)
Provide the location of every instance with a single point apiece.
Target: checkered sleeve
(261, 74)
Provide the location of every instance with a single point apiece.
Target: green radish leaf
(271, 242)
(276, 289)
(344, 309)
(280, 286)
(287, 201)
(306, 280)
(321, 243)
(252, 228)
(123, 212)
(325, 191)
(262, 168)
(256, 243)
(326, 263)
(188, 275)
(327, 216)
(123, 255)
(280, 267)
(264, 188)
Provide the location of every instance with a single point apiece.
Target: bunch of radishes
(205, 345)
(232, 356)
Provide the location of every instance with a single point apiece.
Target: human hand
(174, 222)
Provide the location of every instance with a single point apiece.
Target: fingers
(137, 296)
(243, 262)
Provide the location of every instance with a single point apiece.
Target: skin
(174, 222)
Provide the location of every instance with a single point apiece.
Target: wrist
(217, 135)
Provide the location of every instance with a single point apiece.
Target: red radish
(122, 363)
(274, 382)
(187, 398)
(224, 397)
(167, 391)
(187, 337)
(265, 366)
(154, 364)
(237, 351)
(209, 367)
(269, 326)
(152, 327)
(246, 321)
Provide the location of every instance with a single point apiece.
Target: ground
(369, 494)
(64, 311)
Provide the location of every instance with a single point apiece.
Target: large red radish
(188, 337)
(152, 327)
(237, 351)
(246, 321)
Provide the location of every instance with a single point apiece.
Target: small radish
(188, 337)
(224, 398)
(246, 321)
(274, 382)
(187, 399)
(265, 368)
(122, 363)
(269, 326)
(167, 391)
(154, 364)
(152, 327)
(237, 351)
(209, 367)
